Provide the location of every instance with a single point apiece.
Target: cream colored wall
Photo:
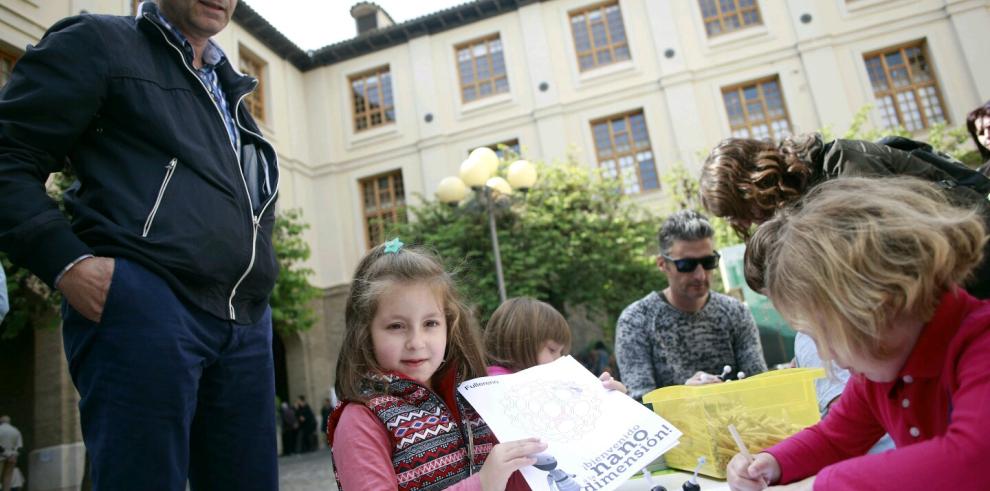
(819, 64)
(23, 22)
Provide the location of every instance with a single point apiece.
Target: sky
(313, 24)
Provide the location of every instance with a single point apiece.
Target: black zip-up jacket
(159, 182)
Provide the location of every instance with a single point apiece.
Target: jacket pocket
(169, 171)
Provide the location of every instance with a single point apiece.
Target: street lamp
(478, 172)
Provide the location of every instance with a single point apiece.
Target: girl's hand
(611, 383)
(506, 458)
(745, 476)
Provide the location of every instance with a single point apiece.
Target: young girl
(524, 332)
(402, 424)
(870, 269)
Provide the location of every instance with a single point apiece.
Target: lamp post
(478, 172)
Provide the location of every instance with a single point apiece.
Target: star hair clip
(393, 246)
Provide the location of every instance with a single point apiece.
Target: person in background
(686, 333)
(402, 424)
(4, 297)
(978, 124)
(870, 269)
(11, 443)
(307, 425)
(524, 332)
(325, 411)
(290, 429)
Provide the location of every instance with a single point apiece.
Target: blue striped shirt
(212, 56)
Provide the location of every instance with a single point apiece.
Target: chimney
(369, 17)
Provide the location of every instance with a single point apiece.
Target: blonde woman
(870, 268)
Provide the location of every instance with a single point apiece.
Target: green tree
(572, 240)
(293, 294)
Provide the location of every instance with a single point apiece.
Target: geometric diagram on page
(557, 409)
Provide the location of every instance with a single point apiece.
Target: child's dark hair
(519, 327)
(375, 274)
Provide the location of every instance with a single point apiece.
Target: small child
(870, 268)
(524, 332)
(401, 424)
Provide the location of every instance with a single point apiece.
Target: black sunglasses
(688, 264)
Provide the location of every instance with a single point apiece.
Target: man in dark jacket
(307, 425)
(167, 265)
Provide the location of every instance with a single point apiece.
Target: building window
(384, 201)
(622, 144)
(599, 35)
(905, 86)
(724, 16)
(7, 61)
(756, 109)
(481, 66)
(505, 149)
(372, 96)
(254, 66)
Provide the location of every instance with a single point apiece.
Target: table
(672, 480)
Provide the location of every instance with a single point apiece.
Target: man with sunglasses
(686, 333)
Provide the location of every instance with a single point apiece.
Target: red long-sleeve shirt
(937, 412)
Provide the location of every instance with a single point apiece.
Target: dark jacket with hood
(116, 100)
(857, 158)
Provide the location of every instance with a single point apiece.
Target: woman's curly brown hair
(745, 181)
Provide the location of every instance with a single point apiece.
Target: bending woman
(746, 181)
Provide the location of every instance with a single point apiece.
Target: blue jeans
(169, 392)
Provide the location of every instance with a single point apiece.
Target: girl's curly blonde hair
(857, 253)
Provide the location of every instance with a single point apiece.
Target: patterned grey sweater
(657, 345)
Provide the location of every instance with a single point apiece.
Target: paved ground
(306, 472)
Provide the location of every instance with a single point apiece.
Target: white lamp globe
(499, 185)
(451, 190)
(473, 173)
(487, 158)
(522, 174)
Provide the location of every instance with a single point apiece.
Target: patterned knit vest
(429, 446)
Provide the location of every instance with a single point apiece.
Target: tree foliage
(572, 240)
(291, 299)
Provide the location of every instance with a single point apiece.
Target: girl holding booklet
(401, 424)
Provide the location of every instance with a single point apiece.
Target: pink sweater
(498, 370)
(937, 413)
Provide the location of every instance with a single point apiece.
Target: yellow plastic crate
(765, 408)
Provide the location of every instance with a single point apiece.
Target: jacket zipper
(255, 220)
(169, 170)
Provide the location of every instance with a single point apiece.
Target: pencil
(739, 443)
(742, 447)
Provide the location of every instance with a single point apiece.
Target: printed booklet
(597, 439)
